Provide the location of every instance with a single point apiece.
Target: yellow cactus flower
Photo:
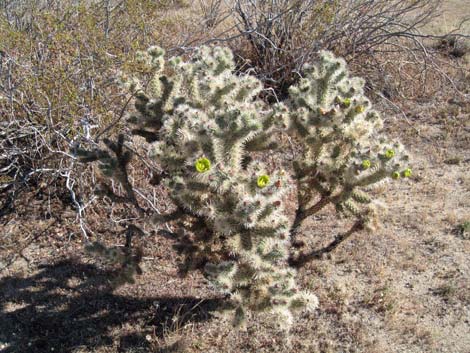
(407, 173)
(389, 153)
(262, 181)
(202, 165)
(360, 109)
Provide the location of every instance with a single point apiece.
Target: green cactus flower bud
(346, 102)
(389, 154)
(359, 109)
(396, 175)
(262, 181)
(366, 164)
(202, 165)
(407, 173)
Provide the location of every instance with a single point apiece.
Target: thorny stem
(123, 159)
(317, 207)
(130, 232)
(124, 180)
(301, 214)
(302, 200)
(303, 258)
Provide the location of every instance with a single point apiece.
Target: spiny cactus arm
(265, 139)
(236, 128)
(262, 142)
(353, 200)
(317, 90)
(343, 153)
(273, 122)
(118, 169)
(159, 96)
(259, 247)
(257, 286)
(114, 167)
(215, 61)
(390, 162)
(332, 110)
(150, 109)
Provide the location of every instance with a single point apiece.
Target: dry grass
(404, 288)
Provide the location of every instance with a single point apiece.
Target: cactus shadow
(69, 307)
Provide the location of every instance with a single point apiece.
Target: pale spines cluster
(264, 289)
(204, 143)
(343, 150)
(331, 114)
(159, 97)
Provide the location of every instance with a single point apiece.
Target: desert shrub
(380, 40)
(210, 132)
(58, 63)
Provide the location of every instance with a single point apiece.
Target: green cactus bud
(366, 164)
(346, 102)
(396, 175)
(359, 109)
(407, 173)
(389, 153)
(262, 181)
(202, 165)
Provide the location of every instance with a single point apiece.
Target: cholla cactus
(344, 155)
(208, 126)
(209, 122)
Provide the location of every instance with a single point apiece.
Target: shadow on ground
(69, 306)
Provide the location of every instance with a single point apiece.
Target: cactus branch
(302, 214)
(304, 258)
